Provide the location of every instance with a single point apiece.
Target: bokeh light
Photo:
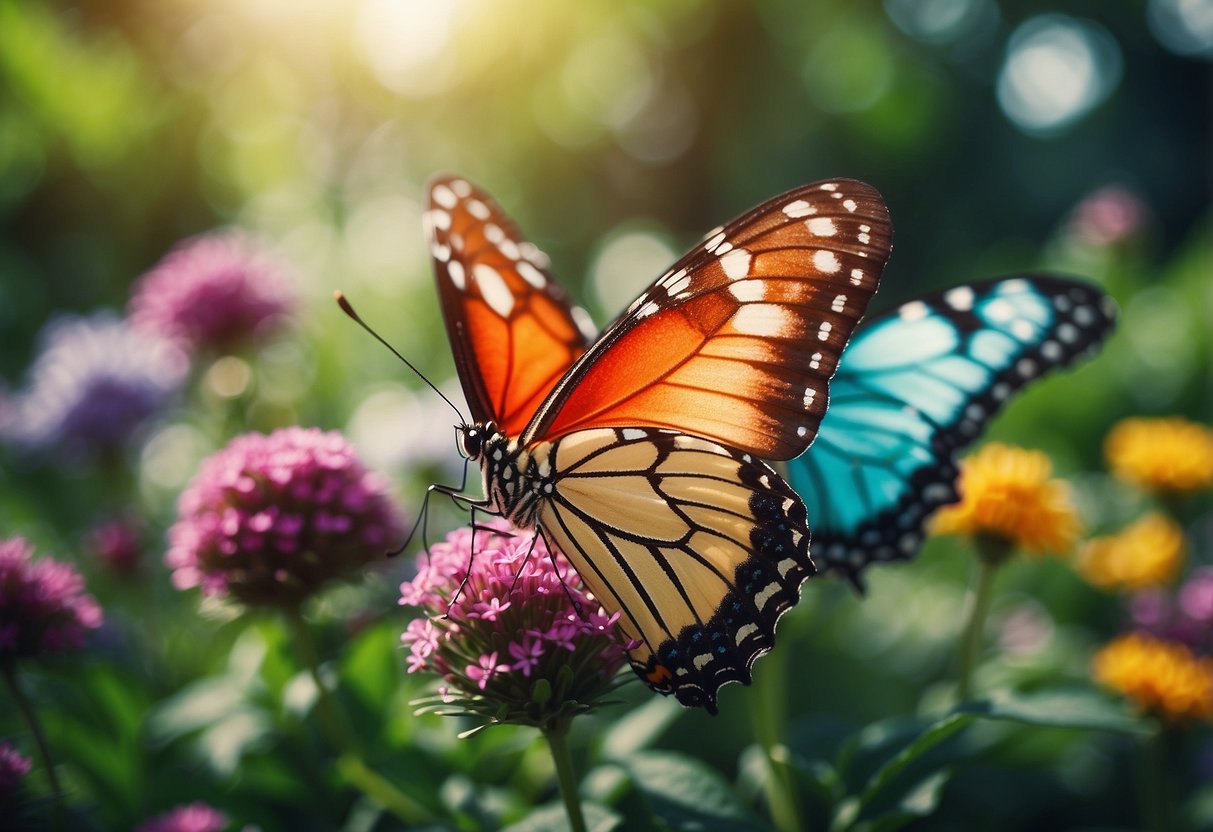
(628, 261)
(1183, 26)
(940, 22)
(1057, 69)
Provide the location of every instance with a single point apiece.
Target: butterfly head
(470, 439)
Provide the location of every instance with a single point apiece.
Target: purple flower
(13, 767)
(1186, 616)
(193, 817)
(1108, 216)
(117, 544)
(43, 605)
(94, 383)
(507, 619)
(269, 519)
(213, 292)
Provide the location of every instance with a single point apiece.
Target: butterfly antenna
(349, 310)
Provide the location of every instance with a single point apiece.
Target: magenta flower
(214, 292)
(1185, 616)
(193, 817)
(95, 383)
(43, 605)
(13, 768)
(522, 639)
(117, 544)
(1108, 216)
(270, 519)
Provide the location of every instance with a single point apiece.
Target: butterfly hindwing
(513, 330)
(700, 548)
(738, 340)
(917, 385)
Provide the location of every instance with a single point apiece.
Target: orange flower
(1161, 454)
(1160, 677)
(1007, 494)
(1148, 553)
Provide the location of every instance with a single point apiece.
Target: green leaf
(1076, 708)
(639, 728)
(688, 794)
(553, 818)
(932, 736)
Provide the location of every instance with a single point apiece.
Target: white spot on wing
(799, 209)
(632, 434)
(584, 322)
(856, 276)
(960, 298)
(478, 209)
(454, 271)
(531, 275)
(444, 196)
(826, 261)
(913, 311)
(748, 291)
(745, 632)
(822, 227)
(496, 293)
(849, 204)
(736, 263)
(765, 319)
(762, 598)
(839, 303)
(714, 241)
(823, 331)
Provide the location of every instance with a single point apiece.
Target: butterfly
(915, 386)
(639, 453)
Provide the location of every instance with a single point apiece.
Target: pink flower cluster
(1185, 617)
(43, 605)
(192, 817)
(503, 615)
(212, 292)
(269, 519)
(13, 767)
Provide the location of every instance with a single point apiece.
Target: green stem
(769, 719)
(30, 716)
(1158, 793)
(980, 595)
(339, 731)
(557, 735)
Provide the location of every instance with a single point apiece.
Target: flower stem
(557, 734)
(769, 719)
(1158, 793)
(980, 594)
(30, 716)
(338, 729)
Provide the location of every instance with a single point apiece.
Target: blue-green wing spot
(915, 386)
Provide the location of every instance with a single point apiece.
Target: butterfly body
(639, 455)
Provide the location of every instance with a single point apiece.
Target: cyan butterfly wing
(915, 386)
(699, 547)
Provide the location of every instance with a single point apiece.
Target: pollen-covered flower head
(269, 519)
(1170, 455)
(94, 383)
(13, 767)
(1008, 494)
(215, 292)
(1160, 677)
(1148, 553)
(192, 817)
(43, 605)
(510, 627)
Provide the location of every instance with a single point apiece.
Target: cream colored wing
(700, 548)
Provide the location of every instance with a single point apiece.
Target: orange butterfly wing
(737, 342)
(513, 331)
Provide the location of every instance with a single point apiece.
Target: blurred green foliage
(127, 126)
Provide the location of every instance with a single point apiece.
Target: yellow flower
(1160, 677)
(1161, 454)
(1007, 494)
(1147, 553)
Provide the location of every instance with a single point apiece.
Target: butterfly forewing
(700, 548)
(917, 385)
(738, 340)
(513, 330)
